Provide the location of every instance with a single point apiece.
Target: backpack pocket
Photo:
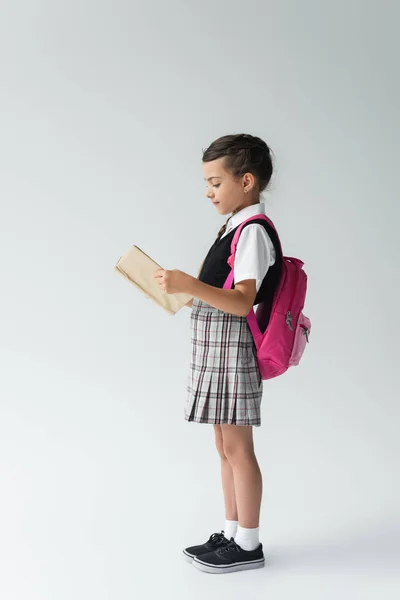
(301, 339)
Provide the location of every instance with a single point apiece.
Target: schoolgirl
(224, 384)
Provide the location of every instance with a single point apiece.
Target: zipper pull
(289, 320)
(306, 333)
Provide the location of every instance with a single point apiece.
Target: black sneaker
(215, 541)
(230, 558)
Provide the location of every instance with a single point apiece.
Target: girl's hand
(172, 282)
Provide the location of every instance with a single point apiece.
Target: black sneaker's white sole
(243, 566)
(188, 557)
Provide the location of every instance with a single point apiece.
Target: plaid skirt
(224, 382)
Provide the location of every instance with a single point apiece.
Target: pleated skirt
(224, 382)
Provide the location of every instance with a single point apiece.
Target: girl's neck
(245, 206)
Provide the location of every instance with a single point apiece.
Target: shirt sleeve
(255, 253)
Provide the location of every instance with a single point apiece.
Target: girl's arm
(238, 301)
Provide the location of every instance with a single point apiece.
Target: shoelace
(215, 538)
(231, 546)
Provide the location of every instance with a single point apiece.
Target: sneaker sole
(255, 564)
(188, 557)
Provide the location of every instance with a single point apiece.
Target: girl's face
(226, 193)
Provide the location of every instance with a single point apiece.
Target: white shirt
(255, 252)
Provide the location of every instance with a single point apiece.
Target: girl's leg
(227, 478)
(238, 448)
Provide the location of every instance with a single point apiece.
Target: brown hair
(242, 154)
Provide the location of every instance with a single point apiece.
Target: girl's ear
(248, 182)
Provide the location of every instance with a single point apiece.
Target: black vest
(215, 269)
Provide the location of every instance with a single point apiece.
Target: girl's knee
(219, 442)
(238, 452)
(238, 442)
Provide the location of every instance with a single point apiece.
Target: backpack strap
(251, 317)
(234, 243)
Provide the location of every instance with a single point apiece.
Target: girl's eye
(216, 185)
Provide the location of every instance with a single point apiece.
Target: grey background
(105, 108)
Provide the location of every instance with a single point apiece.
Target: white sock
(230, 528)
(247, 538)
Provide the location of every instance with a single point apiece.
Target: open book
(138, 268)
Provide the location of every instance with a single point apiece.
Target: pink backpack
(282, 344)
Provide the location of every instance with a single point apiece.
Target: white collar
(249, 211)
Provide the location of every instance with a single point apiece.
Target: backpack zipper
(289, 320)
(306, 332)
(289, 317)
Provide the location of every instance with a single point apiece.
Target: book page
(139, 268)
